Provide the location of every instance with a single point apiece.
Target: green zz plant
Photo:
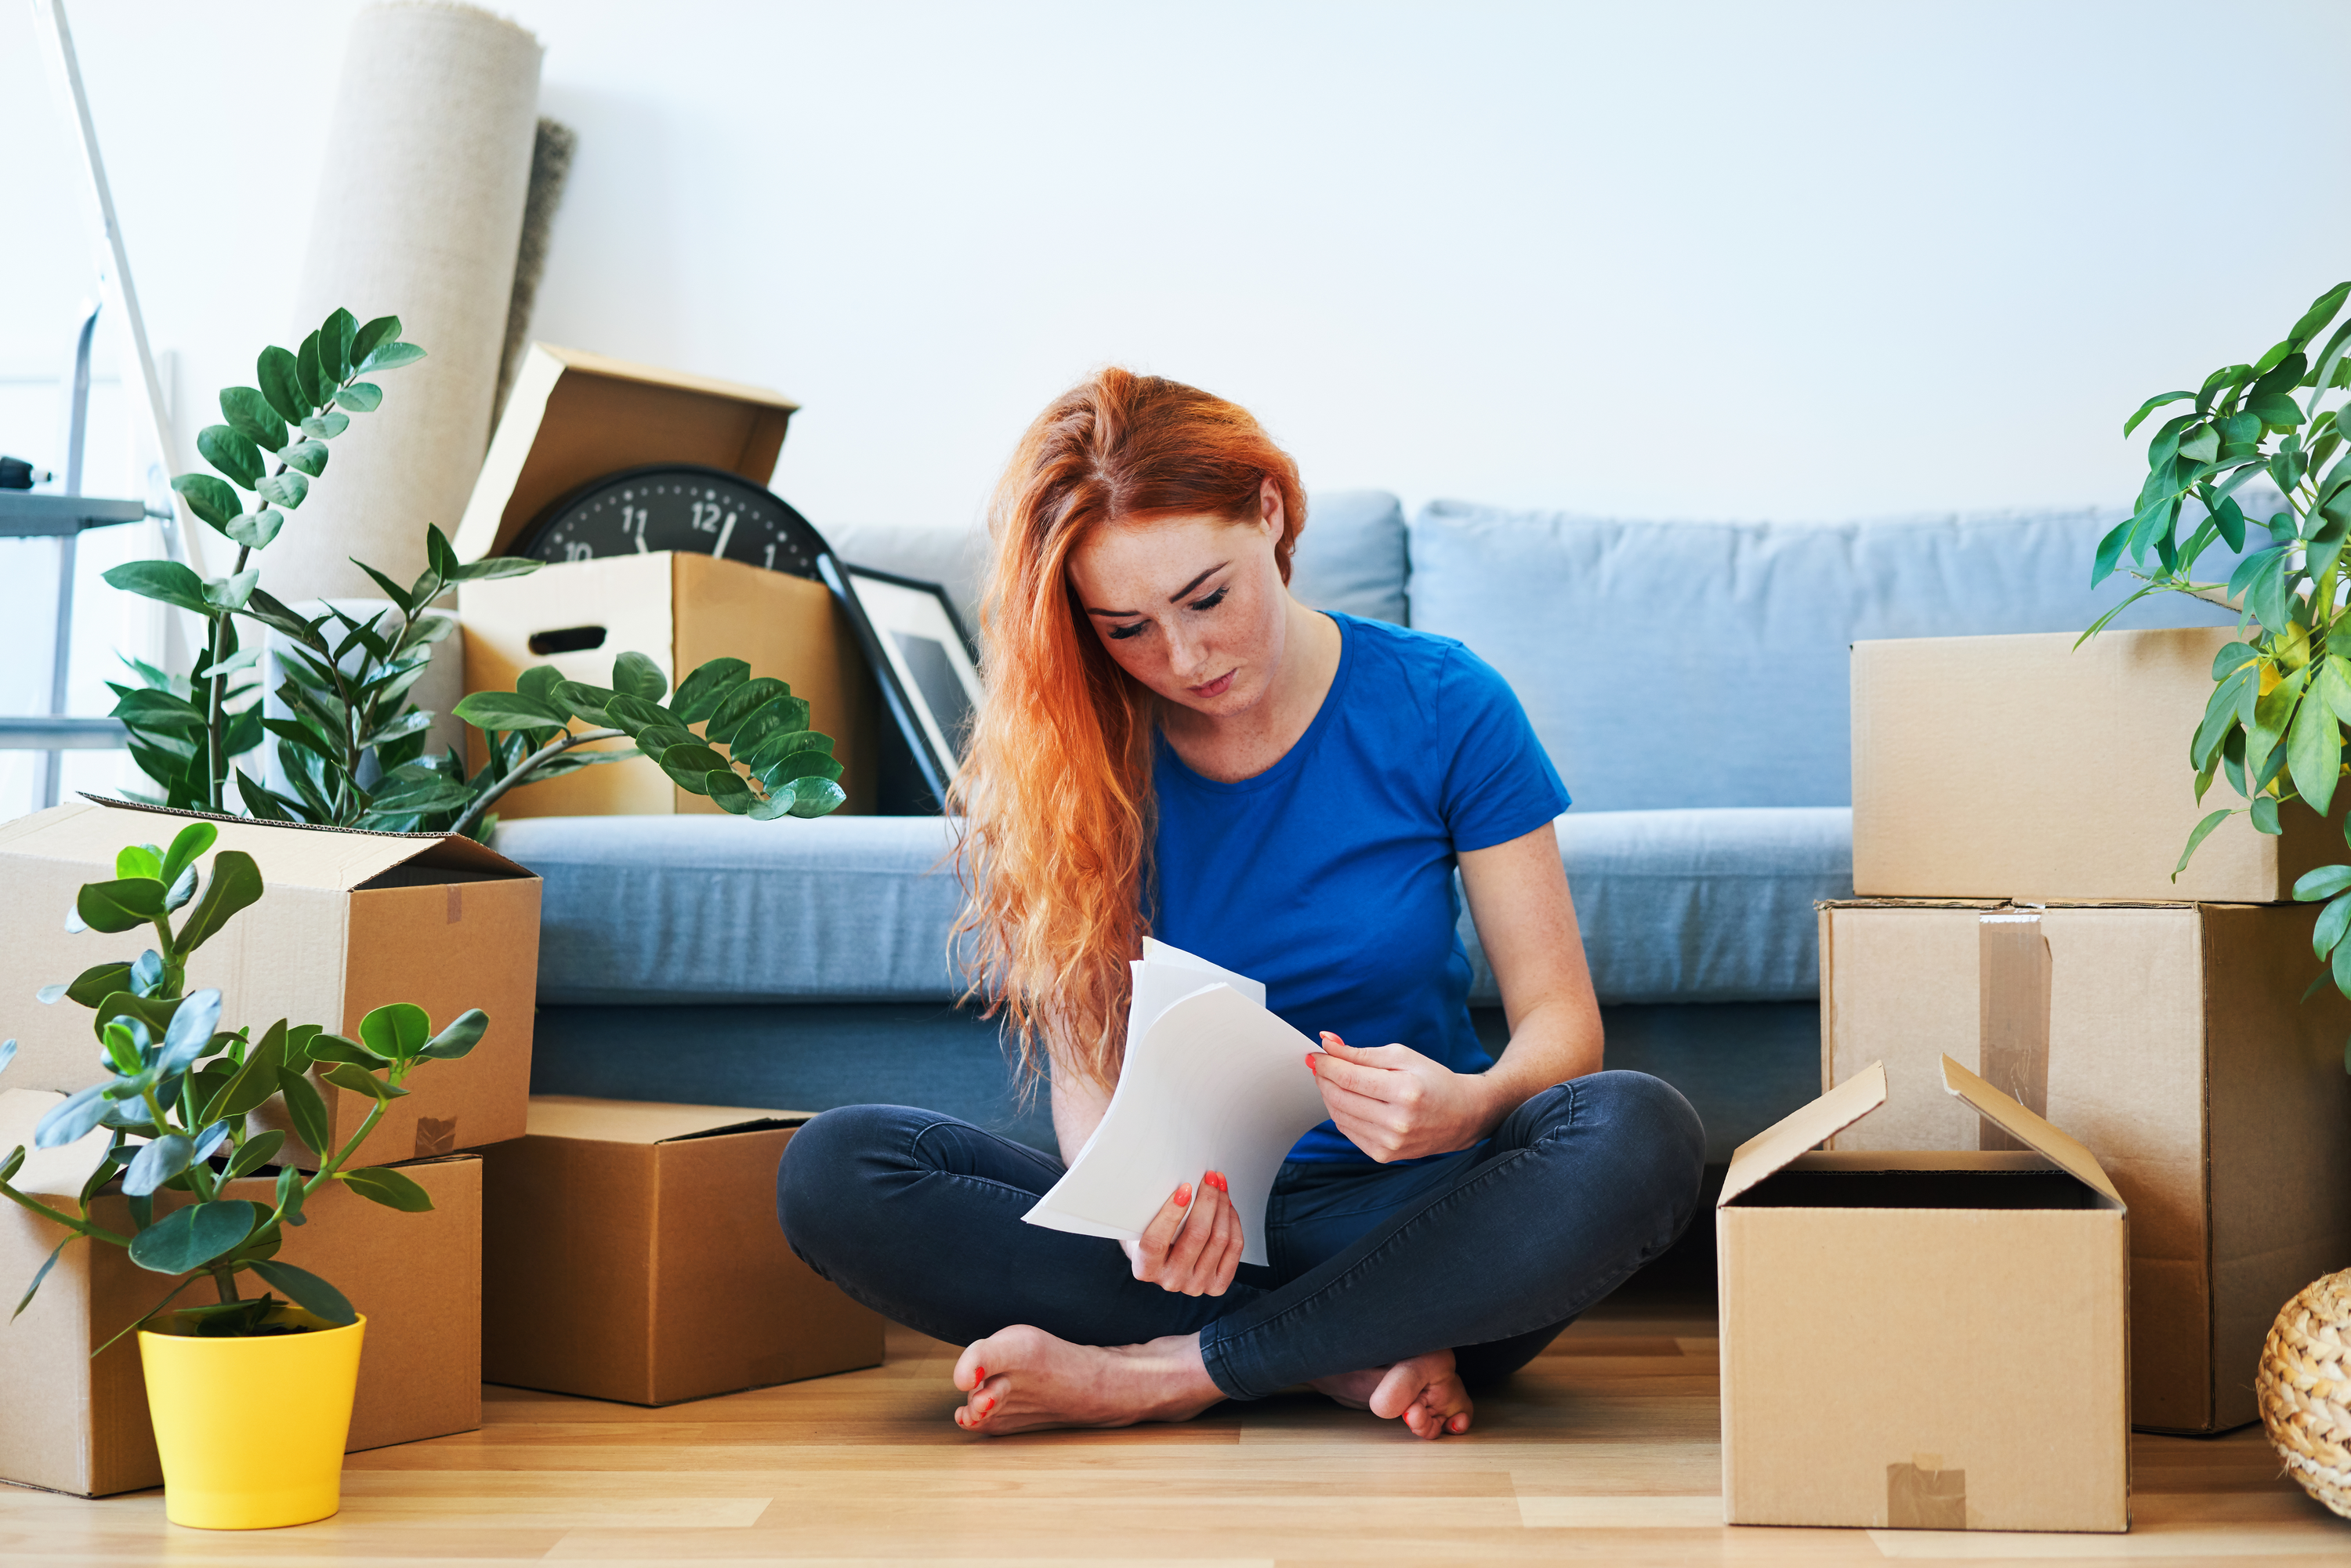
(2282, 694)
(774, 766)
(351, 746)
(179, 1088)
(183, 730)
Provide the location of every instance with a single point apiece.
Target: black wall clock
(681, 506)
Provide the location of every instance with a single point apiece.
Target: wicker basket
(2305, 1388)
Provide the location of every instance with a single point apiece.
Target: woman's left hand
(1395, 1103)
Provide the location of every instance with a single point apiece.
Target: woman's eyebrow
(1173, 598)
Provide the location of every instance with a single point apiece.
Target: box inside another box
(1923, 1341)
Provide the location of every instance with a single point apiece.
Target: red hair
(1055, 789)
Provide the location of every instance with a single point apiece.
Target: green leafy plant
(348, 747)
(2282, 694)
(353, 747)
(775, 765)
(179, 1090)
(183, 730)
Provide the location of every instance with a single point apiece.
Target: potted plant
(352, 748)
(176, 1105)
(2273, 727)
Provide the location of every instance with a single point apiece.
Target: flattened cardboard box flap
(1777, 1146)
(300, 854)
(647, 1122)
(2020, 1124)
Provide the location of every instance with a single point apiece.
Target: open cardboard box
(632, 1254)
(2173, 1041)
(574, 417)
(348, 921)
(2023, 767)
(70, 1423)
(1923, 1341)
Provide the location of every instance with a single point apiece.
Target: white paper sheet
(1211, 1081)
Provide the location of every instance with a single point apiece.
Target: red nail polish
(978, 1375)
(1184, 1195)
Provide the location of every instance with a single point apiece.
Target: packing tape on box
(2013, 968)
(1922, 1495)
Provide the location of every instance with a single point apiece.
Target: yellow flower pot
(252, 1430)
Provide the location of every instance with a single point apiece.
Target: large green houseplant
(175, 1102)
(352, 749)
(2273, 727)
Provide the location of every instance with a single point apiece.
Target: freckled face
(1194, 607)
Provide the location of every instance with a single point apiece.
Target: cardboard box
(632, 1253)
(348, 922)
(2173, 1041)
(76, 1424)
(576, 416)
(1928, 1342)
(2021, 768)
(679, 611)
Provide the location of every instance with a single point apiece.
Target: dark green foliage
(2281, 691)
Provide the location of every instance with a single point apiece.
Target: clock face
(675, 507)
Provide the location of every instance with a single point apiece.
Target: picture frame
(923, 658)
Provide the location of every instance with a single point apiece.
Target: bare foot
(1022, 1378)
(1423, 1389)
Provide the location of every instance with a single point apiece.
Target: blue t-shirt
(1330, 875)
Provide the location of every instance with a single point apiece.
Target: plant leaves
(249, 414)
(157, 1163)
(464, 1033)
(382, 1184)
(230, 453)
(191, 1031)
(188, 1238)
(351, 1075)
(634, 675)
(335, 336)
(2264, 813)
(306, 366)
(391, 357)
(225, 594)
(306, 1291)
(236, 884)
(72, 1118)
(118, 906)
(361, 397)
(326, 426)
(2314, 752)
(2150, 406)
(381, 331)
(508, 711)
(396, 1031)
(691, 764)
(42, 1274)
(785, 716)
(166, 581)
(740, 703)
(291, 1191)
(699, 695)
(255, 529)
(255, 1153)
(209, 498)
(281, 386)
(286, 489)
(816, 797)
(305, 1110)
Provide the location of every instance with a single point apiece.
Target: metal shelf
(42, 732)
(26, 515)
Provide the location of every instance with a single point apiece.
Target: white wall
(1800, 260)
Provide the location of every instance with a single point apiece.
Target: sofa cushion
(1712, 906)
(1351, 556)
(721, 909)
(1705, 663)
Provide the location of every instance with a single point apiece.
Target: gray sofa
(1689, 679)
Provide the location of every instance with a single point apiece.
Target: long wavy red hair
(1055, 788)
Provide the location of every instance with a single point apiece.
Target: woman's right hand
(1194, 1244)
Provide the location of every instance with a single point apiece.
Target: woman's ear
(1269, 509)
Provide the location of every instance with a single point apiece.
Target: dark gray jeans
(1490, 1251)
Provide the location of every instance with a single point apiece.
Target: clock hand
(726, 532)
(640, 533)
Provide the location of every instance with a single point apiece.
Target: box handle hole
(568, 640)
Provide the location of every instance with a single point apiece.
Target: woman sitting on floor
(1171, 744)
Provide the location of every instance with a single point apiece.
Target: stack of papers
(1212, 1082)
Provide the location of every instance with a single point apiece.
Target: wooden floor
(1603, 1451)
